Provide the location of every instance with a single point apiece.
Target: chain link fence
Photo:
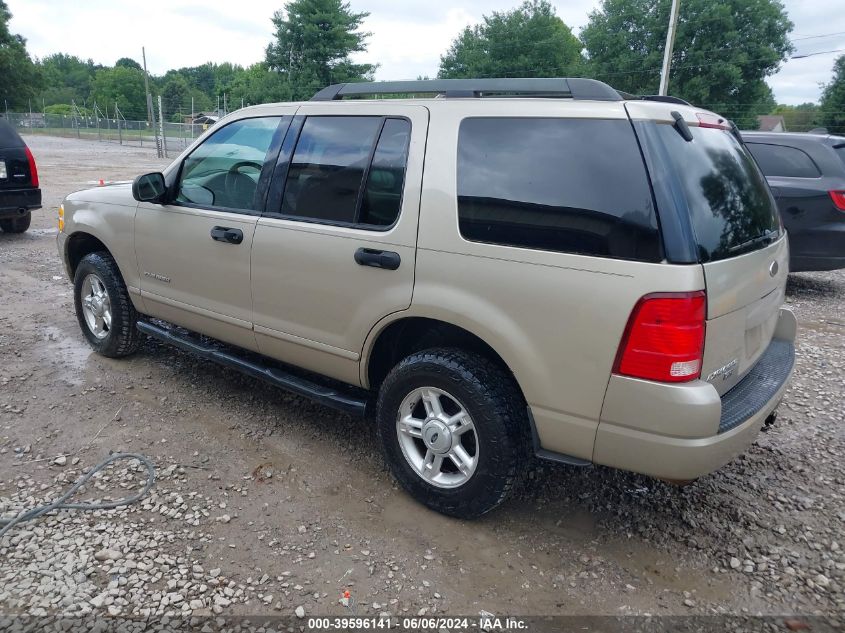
(177, 136)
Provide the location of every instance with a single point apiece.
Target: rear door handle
(223, 234)
(378, 259)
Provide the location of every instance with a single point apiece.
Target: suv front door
(335, 249)
(194, 252)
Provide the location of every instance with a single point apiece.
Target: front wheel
(16, 225)
(452, 426)
(103, 307)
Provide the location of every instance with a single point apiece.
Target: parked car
(19, 192)
(807, 175)
(517, 267)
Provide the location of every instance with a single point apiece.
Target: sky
(408, 36)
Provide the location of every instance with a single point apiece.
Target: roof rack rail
(662, 98)
(572, 88)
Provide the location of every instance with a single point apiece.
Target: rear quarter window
(567, 185)
(783, 161)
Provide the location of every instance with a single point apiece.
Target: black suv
(19, 192)
(806, 173)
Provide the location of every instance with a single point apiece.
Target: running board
(324, 394)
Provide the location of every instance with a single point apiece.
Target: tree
(723, 50)
(224, 77)
(258, 84)
(313, 43)
(128, 62)
(67, 79)
(529, 41)
(20, 78)
(67, 110)
(833, 100)
(124, 86)
(800, 118)
(175, 95)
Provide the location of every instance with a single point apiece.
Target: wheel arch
(78, 245)
(405, 335)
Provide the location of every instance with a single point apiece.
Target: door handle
(377, 259)
(223, 234)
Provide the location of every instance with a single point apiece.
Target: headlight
(61, 218)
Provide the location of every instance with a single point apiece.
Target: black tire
(123, 337)
(16, 225)
(490, 396)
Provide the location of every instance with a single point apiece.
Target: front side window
(224, 170)
(783, 161)
(348, 170)
(567, 185)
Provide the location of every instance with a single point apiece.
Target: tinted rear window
(8, 136)
(783, 161)
(568, 185)
(729, 201)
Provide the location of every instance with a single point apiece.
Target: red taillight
(838, 198)
(33, 170)
(664, 338)
(707, 119)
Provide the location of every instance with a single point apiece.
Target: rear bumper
(684, 432)
(15, 201)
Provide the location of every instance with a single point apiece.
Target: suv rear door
(15, 169)
(335, 249)
(736, 232)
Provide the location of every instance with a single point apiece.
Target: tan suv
(513, 268)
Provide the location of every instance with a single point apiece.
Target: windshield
(731, 208)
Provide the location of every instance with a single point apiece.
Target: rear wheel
(452, 426)
(103, 307)
(16, 225)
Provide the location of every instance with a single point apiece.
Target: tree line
(723, 53)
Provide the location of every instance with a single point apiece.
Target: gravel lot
(267, 504)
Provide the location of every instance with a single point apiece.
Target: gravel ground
(268, 504)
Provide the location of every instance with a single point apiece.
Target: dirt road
(267, 502)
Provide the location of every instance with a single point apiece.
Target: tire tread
(125, 338)
(490, 384)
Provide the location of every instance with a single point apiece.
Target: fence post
(161, 123)
(117, 120)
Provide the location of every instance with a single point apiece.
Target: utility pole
(151, 115)
(670, 44)
(147, 88)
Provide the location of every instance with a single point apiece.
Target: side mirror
(149, 187)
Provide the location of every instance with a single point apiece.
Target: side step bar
(326, 395)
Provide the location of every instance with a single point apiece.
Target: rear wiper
(766, 238)
(681, 126)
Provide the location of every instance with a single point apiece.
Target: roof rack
(661, 98)
(665, 99)
(571, 88)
